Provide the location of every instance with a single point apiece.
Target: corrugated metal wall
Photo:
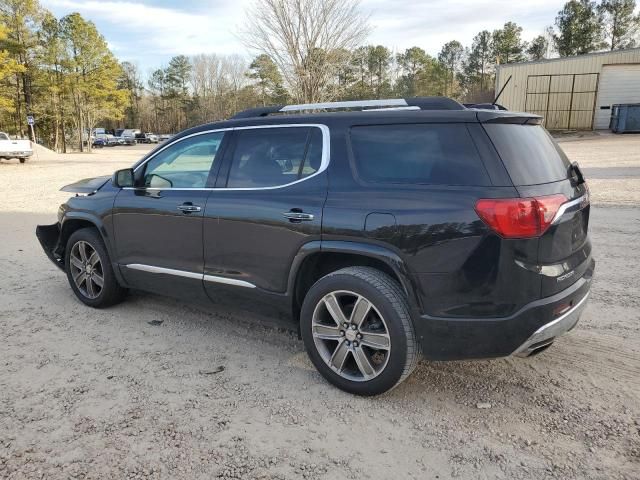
(563, 90)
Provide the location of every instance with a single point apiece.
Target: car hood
(88, 185)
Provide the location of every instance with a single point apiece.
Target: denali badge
(565, 276)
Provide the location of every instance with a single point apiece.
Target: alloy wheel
(86, 269)
(351, 335)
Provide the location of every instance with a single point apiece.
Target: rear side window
(529, 153)
(432, 154)
(269, 157)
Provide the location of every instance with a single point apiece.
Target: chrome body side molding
(193, 275)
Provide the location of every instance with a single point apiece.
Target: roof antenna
(502, 90)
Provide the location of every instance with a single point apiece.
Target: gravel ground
(107, 394)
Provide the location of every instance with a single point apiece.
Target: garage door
(618, 84)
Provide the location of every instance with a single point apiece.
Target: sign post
(31, 121)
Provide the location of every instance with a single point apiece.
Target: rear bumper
(547, 333)
(531, 328)
(16, 154)
(49, 236)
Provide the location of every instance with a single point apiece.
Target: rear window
(529, 153)
(418, 154)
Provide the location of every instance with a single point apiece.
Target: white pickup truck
(20, 149)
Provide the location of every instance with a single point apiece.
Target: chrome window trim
(324, 162)
(196, 276)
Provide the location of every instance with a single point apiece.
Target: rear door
(272, 188)
(158, 224)
(539, 168)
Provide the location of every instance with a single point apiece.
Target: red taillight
(519, 217)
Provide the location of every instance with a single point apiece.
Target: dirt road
(107, 394)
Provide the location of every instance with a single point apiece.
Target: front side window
(269, 157)
(185, 164)
(429, 154)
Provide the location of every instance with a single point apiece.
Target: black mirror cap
(123, 178)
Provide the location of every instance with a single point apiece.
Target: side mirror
(123, 178)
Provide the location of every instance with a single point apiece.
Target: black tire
(22, 160)
(388, 298)
(111, 292)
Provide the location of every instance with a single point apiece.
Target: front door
(267, 204)
(158, 224)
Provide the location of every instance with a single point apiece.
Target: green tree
(580, 28)
(537, 49)
(50, 105)
(130, 82)
(21, 17)
(508, 46)
(413, 62)
(450, 59)
(8, 68)
(176, 85)
(478, 64)
(268, 79)
(92, 73)
(378, 63)
(620, 24)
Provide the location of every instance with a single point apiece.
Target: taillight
(519, 217)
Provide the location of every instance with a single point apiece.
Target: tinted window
(529, 153)
(420, 154)
(268, 157)
(185, 164)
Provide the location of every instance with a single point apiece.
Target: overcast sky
(150, 32)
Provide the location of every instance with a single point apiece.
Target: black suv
(386, 229)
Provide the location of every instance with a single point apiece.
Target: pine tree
(580, 28)
(450, 59)
(508, 46)
(620, 24)
(537, 49)
(268, 79)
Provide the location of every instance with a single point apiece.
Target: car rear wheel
(357, 331)
(89, 270)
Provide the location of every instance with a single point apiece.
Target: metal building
(572, 93)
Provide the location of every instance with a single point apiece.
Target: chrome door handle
(189, 208)
(298, 216)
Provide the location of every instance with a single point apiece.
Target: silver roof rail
(412, 103)
(390, 102)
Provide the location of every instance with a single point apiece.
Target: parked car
(164, 137)
(152, 137)
(417, 227)
(128, 138)
(99, 142)
(19, 149)
(111, 140)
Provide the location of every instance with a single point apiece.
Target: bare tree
(307, 40)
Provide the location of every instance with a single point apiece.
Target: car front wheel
(89, 270)
(357, 331)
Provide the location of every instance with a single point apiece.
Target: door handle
(296, 216)
(189, 208)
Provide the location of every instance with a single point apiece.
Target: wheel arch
(74, 221)
(317, 259)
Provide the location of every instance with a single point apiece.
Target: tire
(385, 324)
(89, 291)
(22, 160)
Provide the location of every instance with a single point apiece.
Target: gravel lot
(105, 394)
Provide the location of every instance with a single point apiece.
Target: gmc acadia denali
(386, 229)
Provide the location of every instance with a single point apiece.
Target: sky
(150, 32)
